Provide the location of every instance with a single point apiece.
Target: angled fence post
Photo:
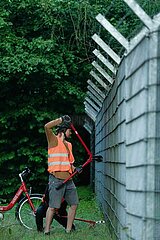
(113, 31)
(102, 71)
(99, 80)
(106, 48)
(104, 61)
(140, 13)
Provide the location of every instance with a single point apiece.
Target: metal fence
(127, 135)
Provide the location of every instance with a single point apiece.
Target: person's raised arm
(51, 137)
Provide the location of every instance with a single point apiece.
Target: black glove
(79, 169)
(66, 119)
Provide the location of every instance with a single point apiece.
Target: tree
(42, 61)
(46, 51)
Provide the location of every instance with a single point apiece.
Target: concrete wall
(127, 135)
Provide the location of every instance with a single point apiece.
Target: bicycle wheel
(24, 212)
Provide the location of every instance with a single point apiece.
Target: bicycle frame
(22, 189)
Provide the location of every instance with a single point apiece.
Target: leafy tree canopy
(46, 51)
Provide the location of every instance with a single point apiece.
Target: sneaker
(68, 231)
(46, 233)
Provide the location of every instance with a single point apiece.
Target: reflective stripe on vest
(58, 163)
(57, 155)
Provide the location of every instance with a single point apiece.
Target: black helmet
(63, 127)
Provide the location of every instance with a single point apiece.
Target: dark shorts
(68, 191)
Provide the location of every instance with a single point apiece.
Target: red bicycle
(26, 208)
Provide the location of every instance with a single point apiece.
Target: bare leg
(49, 217)
(71, 216)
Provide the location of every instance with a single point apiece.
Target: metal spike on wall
(90, 111)
(106, 48)
(94, 105)
(104, 61)
(113, 31)
(88, 127)
(140, 13)
(102, 95)
(102, 71)
(93, 89)
(99, 80)
(95, 93)
(94, 98)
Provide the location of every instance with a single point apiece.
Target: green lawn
(10, 229)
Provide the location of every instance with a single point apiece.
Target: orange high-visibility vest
(60, 158)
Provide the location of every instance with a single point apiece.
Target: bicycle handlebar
(25, 172)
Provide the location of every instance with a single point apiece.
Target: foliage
(44, 65)
(46, 51)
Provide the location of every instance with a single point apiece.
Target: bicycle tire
(25, 214)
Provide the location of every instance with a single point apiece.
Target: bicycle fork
(28, 197)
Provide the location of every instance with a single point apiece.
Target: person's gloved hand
(66, 119)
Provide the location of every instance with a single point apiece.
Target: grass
(10, 229)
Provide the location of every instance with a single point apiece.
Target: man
(60, 167)
(59, 217)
